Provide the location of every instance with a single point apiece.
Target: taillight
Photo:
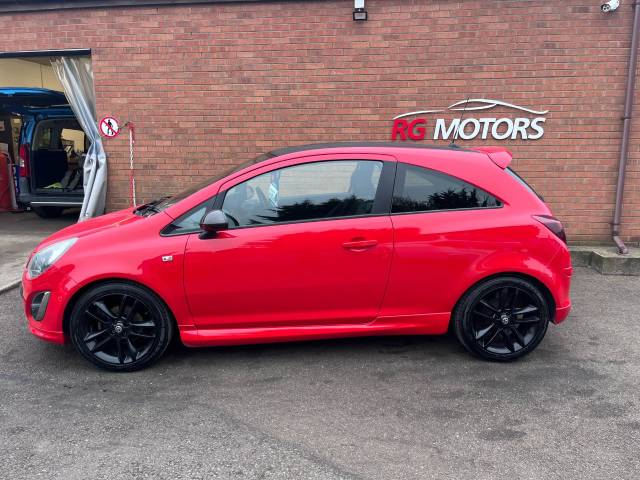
(553, 224)
(23, 161)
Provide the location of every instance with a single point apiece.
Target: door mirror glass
(214, 221)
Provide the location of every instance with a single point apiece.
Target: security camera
(610, 6)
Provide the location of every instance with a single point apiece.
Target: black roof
(318, 146)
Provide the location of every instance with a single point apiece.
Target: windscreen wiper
(149, 207)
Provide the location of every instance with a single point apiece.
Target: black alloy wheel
(120, 327)
(502, 319)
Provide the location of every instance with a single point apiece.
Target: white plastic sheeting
(76, 76)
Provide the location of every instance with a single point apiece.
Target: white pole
(131, 171)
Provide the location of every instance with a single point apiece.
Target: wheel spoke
(96, 346)
(147, 324)
(507, 340)
(503, 298)
(486, 304)
(527, 320)
(513, 300)
(492, 338)
(133, 352)
(525, 310)
(483, 315)
(141, 335)
(123, 302)
(102, 313)
(484, 333)
(93, 335)
(121, 353)
(518, 336)
(132, 310)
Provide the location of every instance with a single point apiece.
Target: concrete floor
(380, 408)
(20, 233)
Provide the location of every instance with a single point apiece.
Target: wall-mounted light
(359, 13)
(610, 6)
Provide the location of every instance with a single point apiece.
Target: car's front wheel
(120, 326)
(502, 319)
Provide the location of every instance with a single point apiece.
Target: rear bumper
(561, 314)
(562, 285)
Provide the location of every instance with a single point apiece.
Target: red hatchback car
(311, 242)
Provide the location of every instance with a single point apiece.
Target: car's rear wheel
(48, 212)
(502, 319)
(120, 326)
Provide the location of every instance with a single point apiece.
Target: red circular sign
(109, 127)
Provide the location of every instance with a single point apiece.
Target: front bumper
(60, 286)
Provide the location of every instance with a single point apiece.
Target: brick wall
(213, 85)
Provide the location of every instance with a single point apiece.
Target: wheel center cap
(504, 318)
(118, 328)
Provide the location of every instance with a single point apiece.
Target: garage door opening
(48, 133)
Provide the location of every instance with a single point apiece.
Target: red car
(311, 242)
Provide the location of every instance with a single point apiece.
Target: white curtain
(76, 76)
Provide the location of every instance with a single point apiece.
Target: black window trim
(442, 210)
(391, 212)
(166, 230)
(523, 182)
(381, 203)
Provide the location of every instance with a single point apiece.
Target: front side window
(418, 189)
(311, 191)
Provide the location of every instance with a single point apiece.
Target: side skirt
(430, 324)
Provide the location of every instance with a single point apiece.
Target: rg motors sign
(414, 125)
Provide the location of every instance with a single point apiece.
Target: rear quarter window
(419, 189)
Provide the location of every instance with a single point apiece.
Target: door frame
(383, 197)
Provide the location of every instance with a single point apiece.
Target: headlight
(48, 256)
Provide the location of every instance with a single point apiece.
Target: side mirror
(214, 221)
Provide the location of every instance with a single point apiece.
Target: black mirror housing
(214, 221)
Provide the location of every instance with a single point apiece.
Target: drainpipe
(626, 127)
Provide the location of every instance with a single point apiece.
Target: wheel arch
(77, 294)
(546, 291)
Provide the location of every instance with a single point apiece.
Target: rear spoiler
(498, 155)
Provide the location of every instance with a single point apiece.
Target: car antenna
(455, 136)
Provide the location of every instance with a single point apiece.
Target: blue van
(51, 148)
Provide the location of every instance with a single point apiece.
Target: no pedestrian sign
(109, 127)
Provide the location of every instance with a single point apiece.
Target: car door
(309, 242)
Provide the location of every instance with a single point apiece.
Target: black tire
(48, 212)
(120, 326)
(501, 319)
